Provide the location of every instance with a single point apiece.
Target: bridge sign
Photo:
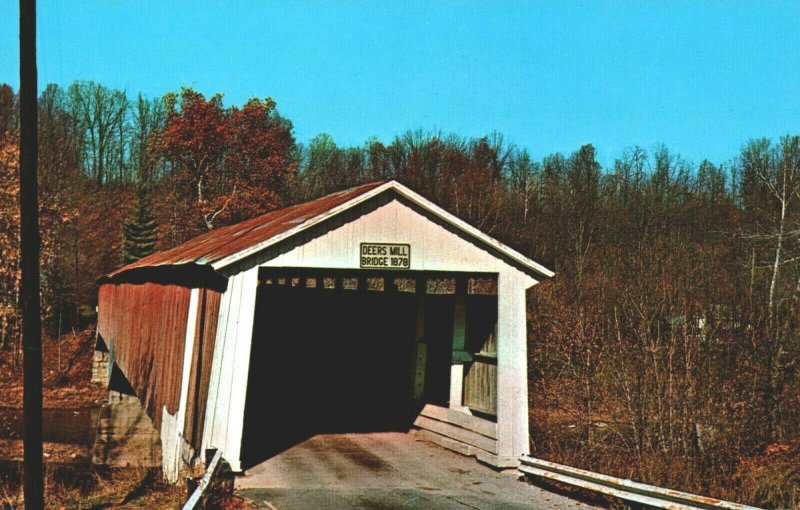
(385, 256)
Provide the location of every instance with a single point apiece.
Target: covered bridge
(367, 309)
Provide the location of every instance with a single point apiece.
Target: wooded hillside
(665, 349)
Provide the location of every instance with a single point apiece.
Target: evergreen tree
(139, 233)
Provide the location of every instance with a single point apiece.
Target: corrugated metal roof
(215, 245)
(206, 253)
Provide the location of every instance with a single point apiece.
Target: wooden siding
(480, 386)
(434, 248)
(144, 326)
(460, 432)
(202, 355)
(145, 321)
(480, 379)
(225, 402)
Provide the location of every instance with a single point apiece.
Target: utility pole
(29, 257)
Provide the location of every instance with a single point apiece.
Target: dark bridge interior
(326, 361)
(334, 353)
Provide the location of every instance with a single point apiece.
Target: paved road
(386, 470)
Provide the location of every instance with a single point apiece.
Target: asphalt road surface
(386, 470)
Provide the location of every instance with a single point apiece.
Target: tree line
(666, 347)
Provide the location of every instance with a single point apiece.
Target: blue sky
(700, 77)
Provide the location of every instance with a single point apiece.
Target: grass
(94, 488)
(769, 479)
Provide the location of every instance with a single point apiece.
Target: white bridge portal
(368, 309)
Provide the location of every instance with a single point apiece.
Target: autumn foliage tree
(53, 215)
(225, 164)
(9, 239)
(666, 349)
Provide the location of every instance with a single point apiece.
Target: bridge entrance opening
(344, 351)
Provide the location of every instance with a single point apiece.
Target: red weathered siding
(144, 326)
(202, 355)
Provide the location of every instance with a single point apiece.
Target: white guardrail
(191, 504)
(627, 490)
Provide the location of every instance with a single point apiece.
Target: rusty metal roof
(202, 256)
(215, 245)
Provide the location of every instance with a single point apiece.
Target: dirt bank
(71, 481)
(67, 378)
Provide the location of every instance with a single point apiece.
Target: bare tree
(102, 113)
(523, 177)
(773, 172)
(148, 119)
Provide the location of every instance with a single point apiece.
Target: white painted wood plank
(228, 359)
(241, 367)
(216, 366)
(170, 446)
(456, 386)
(188, 350)
(433, 247)
(222, 404)
(457, 433)
(512, 373)
(473, 423)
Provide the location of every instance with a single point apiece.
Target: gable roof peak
(227, 245)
